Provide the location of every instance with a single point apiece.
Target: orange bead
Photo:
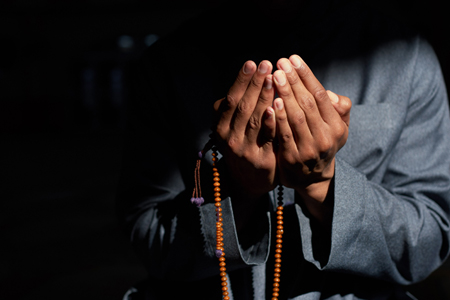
(224, 288)
(217, 194)
(278, 261)
(217, 199)
(280, 218)
(216, 174)
(224, 283)
(214, 169)
(280, 222)
(224, 276)
(279, 241)
(222, 264)
(276, 284)
(226, 298)
(278, 251)
(279, 212)
(275, 294)
(276, 290)
(216, 183)
(276, 274)
(280, 227)
(222, 258)
(277, 270)
(277, 255)
(217, 189)
(223, 269)
(216, 179)
(276, 279)
(217, 204)
(277, 266)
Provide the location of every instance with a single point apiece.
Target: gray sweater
(392, 178)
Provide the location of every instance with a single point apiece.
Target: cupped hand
(311, 125)
(245, 131)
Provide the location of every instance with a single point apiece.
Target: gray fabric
(391, 187)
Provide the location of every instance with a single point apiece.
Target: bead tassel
(197, 198)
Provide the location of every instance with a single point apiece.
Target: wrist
(318, 197)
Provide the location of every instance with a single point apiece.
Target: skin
(291, 140)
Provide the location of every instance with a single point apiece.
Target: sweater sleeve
(394, 225)
(175, 239)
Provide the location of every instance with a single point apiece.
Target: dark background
(64, 84)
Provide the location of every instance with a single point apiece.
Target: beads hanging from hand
(278, 246)
(219, 234)
(198, 200)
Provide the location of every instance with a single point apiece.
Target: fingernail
(295, 60)
(280, 77)
(279, 104)
(285, 66)
(268, 83)
(263, 67)
(333, 97)
(247, 68)
(269, 112)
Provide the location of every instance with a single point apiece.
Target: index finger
(316, 89)
(227, 106)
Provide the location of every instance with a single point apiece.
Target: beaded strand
(278, 245)
(198, 200)
(220, 254)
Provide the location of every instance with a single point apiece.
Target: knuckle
(231, 100)
(308, 153)
(283, 92)
(321, 95)
(304, 71)
(324, 146)
(340, 130)
(307, 102)
(243, 107)
(232, 143)
(263, 98)
(299, 117)
(286, 137)
(281, 118)
(254, 123)
(256, 82)
(221, 130)
(293, 78)
(290, 159)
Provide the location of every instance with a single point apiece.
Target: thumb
(342, 105)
